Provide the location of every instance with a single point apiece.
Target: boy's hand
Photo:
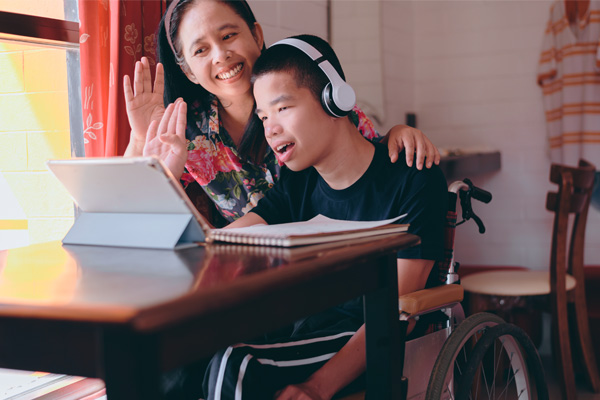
(143, 102)
(301, 391)
(167, 140)
(411, 139)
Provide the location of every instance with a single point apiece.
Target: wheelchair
(479, 357)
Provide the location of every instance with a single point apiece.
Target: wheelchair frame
(450, 363)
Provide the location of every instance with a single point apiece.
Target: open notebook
(137, 202)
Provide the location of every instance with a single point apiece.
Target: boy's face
(296, 125)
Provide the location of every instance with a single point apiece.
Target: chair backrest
(572, 198)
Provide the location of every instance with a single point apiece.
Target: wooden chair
(564, 282)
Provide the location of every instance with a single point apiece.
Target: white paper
(318, 224)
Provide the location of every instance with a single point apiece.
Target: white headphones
(338, 98)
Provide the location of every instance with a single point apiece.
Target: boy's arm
(351, 360)
(247, 220)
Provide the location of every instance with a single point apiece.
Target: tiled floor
(583, 390)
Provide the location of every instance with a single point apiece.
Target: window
(40, 117)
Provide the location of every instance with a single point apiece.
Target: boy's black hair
(286, 58)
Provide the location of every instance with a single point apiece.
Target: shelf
(468, 165)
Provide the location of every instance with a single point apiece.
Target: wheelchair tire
(523, 377)
(454, 355)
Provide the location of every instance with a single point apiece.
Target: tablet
(139, 190)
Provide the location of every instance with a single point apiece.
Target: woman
(207, 49)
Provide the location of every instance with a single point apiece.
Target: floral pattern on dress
(213, 161)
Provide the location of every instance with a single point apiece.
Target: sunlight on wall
(42, 8)
(34, 127)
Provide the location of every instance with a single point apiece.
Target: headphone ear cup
(332, 107)
(327, 100)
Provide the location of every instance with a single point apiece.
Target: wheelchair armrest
(430, 299)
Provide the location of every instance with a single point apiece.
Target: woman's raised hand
(144, 103)
(166, 139)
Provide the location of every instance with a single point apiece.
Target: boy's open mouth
(281, 149)
(284, 152)
(231, 73)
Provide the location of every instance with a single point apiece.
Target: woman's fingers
(436, 156)
(394, 148)
(127, 89)
(409, 149)
(181, 120)
(172, 126)
(159, 80)
(163, 127)
(152, 131)
(421, 150)
(147, 76)
(138, 79)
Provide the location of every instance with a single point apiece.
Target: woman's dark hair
(177, 83)
(286, 58)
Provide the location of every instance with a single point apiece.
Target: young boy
(332, 170)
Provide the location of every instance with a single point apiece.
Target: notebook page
(316, 225)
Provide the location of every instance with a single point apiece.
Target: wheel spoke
(449, 391)
(485, 380)
(509, 382)
(477, 388)
(494, 369)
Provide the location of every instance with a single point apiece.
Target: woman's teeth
(230, 74)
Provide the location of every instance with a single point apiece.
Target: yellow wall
(34, 127)
(42, 8)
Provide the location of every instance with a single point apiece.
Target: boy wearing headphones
(303, 101)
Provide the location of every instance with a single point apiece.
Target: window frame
(46, 30)
(53, 32)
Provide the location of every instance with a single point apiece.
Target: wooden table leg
(131, 366)
(385, 347)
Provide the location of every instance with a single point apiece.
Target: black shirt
(385, 190)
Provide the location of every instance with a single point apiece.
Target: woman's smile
(231, 72)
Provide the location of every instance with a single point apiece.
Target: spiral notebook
(319, 229)
(137, 202)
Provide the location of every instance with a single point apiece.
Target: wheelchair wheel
(504, 364)
(455, 353)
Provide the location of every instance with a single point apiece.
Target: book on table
(319, 229)
(137, 202)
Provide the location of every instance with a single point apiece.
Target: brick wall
(356, 37)
(475, 74)
(280, 19)
(34, 127)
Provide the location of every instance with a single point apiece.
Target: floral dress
(235, 186)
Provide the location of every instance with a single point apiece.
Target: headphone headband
(338, 97)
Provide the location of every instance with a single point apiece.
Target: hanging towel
(569, 74)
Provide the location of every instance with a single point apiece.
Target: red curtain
(113, 35)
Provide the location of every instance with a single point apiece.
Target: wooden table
(127, 315)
